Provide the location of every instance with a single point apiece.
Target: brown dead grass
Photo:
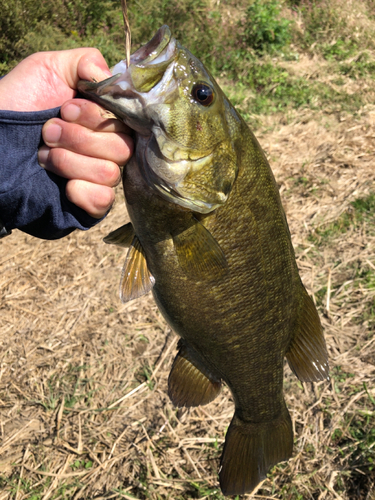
(84, 411)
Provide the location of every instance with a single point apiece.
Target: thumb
(46, 80)
(81, 64)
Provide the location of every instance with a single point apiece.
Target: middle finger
(112, 146)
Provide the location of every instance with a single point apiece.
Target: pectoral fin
(136, 279)
(122, 236)
(199, 254)
(307, 355)
(190, 382)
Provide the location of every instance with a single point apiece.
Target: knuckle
(109, 173)
(104, 199)
(35, 58)
(73, 136)
(76, 136)
(95, 52)
(71, 190)
(128, 149)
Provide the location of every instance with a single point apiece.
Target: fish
(209, 236)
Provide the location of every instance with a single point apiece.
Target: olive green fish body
(209, 236)
(249, 313)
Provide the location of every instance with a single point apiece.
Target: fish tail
(250, 449)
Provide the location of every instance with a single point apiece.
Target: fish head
(187, 132)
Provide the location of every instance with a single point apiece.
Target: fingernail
(107, 72)
(104, 70)
(70, 112)
(98, 73)
(52, 133)
(43, 156)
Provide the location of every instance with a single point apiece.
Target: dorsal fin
(136, 279)
(122, 236)
(190, 382)
(199, 254)
(307, 355)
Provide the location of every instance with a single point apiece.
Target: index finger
(92, 116)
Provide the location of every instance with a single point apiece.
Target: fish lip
(119, 89)
(152, 49)
(161, 44)
(92, 89)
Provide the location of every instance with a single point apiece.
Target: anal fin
(307, 355)
(136, 279)
(122, 236)
(250, 449)
(190, 382)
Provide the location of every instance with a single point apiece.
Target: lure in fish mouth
(209, 236)
(152, 96)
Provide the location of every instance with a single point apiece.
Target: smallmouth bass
(209, 236)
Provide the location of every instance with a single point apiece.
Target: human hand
(84, 146)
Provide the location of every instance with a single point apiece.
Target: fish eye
(203, 94)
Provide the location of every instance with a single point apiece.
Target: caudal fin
(251, 449)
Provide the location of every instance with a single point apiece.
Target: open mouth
(156, 50)
(126, 92)
(158, 53)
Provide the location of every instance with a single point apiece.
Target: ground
(84, 410)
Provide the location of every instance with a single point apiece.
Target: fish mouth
(131, 92)
(146, 69)
(153, 49)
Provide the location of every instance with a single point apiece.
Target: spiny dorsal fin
(307, 355)
(199, 254)
(190, 382)
(122, 236)
(250, 449)
(136, 279)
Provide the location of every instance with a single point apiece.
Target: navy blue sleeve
(31, 198)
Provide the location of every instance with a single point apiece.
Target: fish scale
(209, 237)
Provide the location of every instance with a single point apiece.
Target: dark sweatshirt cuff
(31, 198)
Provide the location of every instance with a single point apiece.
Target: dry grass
(84, 411)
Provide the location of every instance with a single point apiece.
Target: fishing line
(128, 37)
